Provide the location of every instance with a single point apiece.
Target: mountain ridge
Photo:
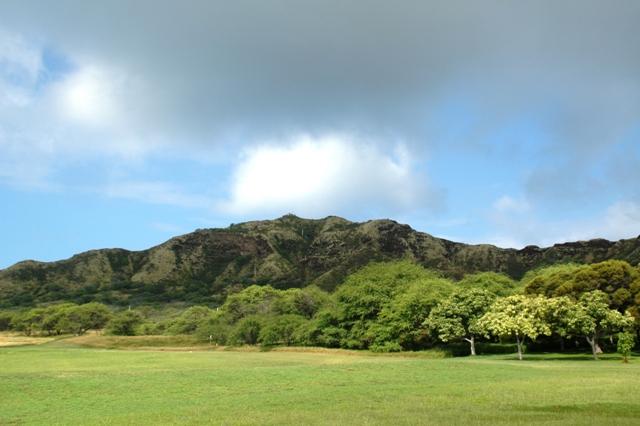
(204, 265)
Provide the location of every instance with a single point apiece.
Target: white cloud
(90, 96)
(155, 192)
(167, 228)
(507, 204)
(333, 174)
(20, 66)
(621, 220)
(517, 225)
(19, 59)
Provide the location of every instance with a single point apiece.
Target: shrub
(214, 329)
(6, 319)
(188, 321)
(124, 323)
(281, 330)
(626, 342)
(386, 347)
(246, 331)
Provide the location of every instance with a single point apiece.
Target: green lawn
(57, 383)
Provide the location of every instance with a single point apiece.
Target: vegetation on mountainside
(383, 307)
(205, 266)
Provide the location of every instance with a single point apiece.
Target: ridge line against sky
(124, 123)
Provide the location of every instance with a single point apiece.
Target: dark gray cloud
(245, 68)
(207, 73)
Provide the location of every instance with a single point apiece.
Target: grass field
(61, 383)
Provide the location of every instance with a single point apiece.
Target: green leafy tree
(364, 295)
(456, 317)
(281, 330)
(498, 284)
(551, 281)
(247, 331)
(6, 318)
(301, 301)
(55, 319)
(215, 329)
(124, 323)
(400, 324)
(616, 278)
(92, 316)
(563, 317)
(626, 342)
(29, 322)
(188, 321)
(594, 320)
(253, 300)
(76, 319)
(325, 329)
(516, 316)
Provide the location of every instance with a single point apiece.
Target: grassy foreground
(59, 383)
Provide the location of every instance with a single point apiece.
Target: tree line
(393, 306)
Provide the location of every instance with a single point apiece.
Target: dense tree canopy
(498, 284)
(593, 318)
(388, 306)
(456, 317)
(517, 316)
(124, 323)
(616, 278)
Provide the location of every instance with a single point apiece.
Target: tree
(216, 329)
(400, 324)
(457, 316)
(616, 278)
(325, 329)
(253, 300)
(385, 302)
(626, 342)
(516, 316)
(55, 318)
(124, 323)
(552, 280)
(188, 321)
(593, 319)
(6, 319)
(247, 331)
(498, 284)
(561, 315)
(281, 330)
(92, 316)
(29, 321)
(301, 301)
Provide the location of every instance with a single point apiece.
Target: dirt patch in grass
(168, 343)
(190, 343)
(19, 340)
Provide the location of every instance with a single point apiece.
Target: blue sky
(124, 124)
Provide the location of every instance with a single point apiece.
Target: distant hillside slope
(286, 252)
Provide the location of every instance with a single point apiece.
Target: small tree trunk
(472, 344)
(519, 345)
(594, 346)
(561, 344)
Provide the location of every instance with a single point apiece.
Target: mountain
(287, 252)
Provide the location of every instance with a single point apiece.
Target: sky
(124, 123)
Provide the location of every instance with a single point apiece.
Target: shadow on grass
(616, 409)
(553, 356)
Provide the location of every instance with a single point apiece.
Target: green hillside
(205, 265)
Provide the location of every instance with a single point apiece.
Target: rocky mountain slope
(287, 252)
